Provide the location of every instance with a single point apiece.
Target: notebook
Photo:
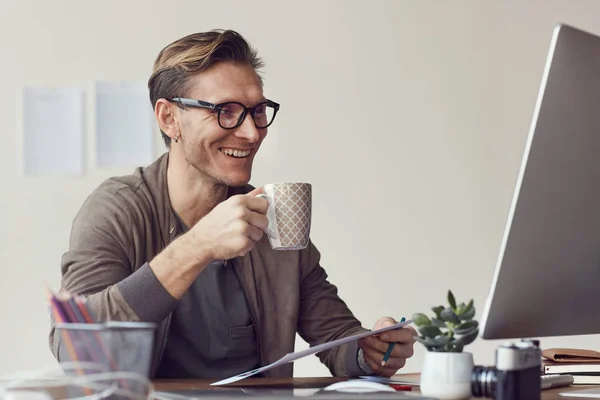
(583, 364)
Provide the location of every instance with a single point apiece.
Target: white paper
(53, 131)
(124, 125)
(312, 350)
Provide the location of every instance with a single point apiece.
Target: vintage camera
(516, 375)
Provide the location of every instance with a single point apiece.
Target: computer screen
(547, 277)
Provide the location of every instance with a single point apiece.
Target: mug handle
(271, 229)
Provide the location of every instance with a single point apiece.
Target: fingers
(254, 233)
(243, 203)
(375, 343)
(404, 335)
(254, 203)
(256, 220)
(257, 191)
(375, 347)
(257, 204)
(374, 358)
(384, 322)
(404, 350)
(248, 219)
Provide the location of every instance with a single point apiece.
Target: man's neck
(192, 194)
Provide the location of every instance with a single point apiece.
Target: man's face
(222, 155)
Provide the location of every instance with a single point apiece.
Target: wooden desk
(160, 385)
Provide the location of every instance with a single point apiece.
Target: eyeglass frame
(218, 107)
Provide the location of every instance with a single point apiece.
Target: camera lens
(483, 381)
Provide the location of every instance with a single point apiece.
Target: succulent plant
(450, 329)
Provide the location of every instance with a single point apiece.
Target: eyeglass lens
(232, 113)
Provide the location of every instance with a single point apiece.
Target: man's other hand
(374, 347)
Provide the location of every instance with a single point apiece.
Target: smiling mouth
(235, 153)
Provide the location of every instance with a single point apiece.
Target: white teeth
(236, 153)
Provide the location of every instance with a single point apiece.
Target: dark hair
(192, 55)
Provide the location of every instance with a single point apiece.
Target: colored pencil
(72, 309)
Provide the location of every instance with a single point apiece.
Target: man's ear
(167, 118)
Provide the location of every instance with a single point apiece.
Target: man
(180, 242)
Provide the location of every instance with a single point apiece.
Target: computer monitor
(547, 277)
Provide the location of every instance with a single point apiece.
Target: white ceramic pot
(447, 376)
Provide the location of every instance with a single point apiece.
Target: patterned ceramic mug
(289, 214)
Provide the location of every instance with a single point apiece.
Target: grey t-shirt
(211, 333)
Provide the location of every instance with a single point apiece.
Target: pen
(389, 349)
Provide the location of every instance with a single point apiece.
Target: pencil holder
(107, 360)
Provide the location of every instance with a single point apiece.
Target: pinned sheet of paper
(124, 125)
(53, 131)
(290, 357)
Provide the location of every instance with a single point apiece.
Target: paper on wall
(312, 350)
(124, 124)
(53, 132)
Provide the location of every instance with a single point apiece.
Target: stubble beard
(205, 171)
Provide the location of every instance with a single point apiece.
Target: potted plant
(446, 372)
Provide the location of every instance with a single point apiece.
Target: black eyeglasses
(231, 114)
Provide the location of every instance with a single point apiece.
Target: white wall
(408, 117)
